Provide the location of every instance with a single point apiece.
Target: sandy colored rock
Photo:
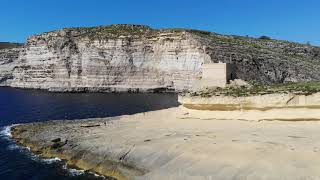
(254, 102)
(70, 60)
(8, 61)
(179, 143)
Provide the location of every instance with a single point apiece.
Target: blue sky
(294, 20)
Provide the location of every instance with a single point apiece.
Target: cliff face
(74, 59)
(131, 57)
(8, 61)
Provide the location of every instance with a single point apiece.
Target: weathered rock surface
(254, 102)
(8, 61)
(133, 57)
(179, 143)
(75, 59)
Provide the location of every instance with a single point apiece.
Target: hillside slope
(262, 60)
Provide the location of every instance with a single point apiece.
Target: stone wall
(215, 75)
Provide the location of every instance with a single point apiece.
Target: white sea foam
(13, 147)
(51, 160)
(73, 172)
(97, 175)
(6, 131)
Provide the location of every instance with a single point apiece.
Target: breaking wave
(6, 131)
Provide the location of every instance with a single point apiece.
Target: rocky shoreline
(181, 143)
(64, 149)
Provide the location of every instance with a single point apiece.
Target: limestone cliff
(134, 57)
(8, 61)
(109, 58)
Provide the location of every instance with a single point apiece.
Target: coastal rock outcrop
(179, 143)
(138, 58)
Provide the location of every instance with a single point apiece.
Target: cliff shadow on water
(22, 106)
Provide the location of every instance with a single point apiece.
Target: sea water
(23, 106)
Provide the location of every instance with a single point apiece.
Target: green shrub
(265, 37)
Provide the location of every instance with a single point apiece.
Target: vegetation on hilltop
(242, 91)
(267, 61)
(6, 45)
(112, 31)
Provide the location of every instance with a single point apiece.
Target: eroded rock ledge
(278, 106)
(256, 102)
(63, 139)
